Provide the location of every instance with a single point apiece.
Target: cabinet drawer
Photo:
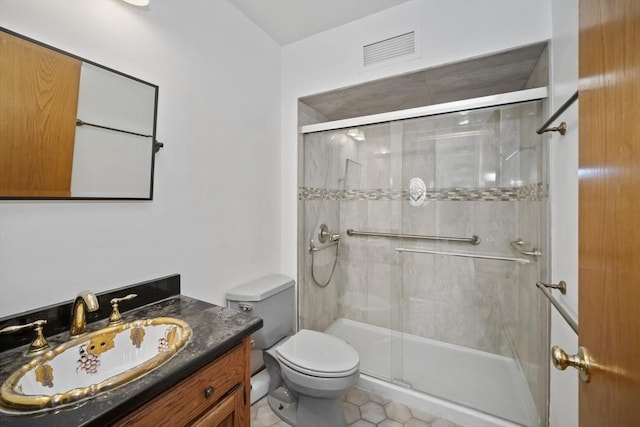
(227, 413)
(194, 395)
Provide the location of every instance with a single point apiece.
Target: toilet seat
(319, 355)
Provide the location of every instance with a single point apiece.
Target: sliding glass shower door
(418, 271)
(468, 308)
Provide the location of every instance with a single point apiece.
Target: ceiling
(287, 21)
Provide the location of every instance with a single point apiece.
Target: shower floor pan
(456, 376)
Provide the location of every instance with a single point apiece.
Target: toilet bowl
(310, 373)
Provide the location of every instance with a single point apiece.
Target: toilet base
(284, 405)
(305, 411)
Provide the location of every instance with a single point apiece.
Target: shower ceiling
(508, 71)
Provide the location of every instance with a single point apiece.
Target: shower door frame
(431, 110)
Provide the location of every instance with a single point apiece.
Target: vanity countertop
(215, 330)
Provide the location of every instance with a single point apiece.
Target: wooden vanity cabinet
(217, 395)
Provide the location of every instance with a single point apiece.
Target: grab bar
(562, 128)
(564, 313)
(463, 255)
(474, 240)
(517, 245)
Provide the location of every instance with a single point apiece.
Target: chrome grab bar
(517, 245)
(563, 312)
(463, 255)
(474, 240)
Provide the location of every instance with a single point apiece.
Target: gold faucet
(116, 317)
(39, 344)
(85, 302)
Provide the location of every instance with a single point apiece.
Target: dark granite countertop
(215, 330)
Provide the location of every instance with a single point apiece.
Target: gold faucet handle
(39, 343)
(116, 317)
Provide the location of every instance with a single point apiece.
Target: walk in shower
(422, 234)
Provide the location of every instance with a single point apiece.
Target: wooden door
(609, 210)
(38, 110)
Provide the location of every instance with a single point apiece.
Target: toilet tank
(273, 299)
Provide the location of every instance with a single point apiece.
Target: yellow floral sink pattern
(92, 364)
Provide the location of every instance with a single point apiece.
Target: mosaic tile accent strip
(529, 193)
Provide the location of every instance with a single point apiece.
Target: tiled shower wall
(486, 175)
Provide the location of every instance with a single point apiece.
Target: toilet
(307, 373)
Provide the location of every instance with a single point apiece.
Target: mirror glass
(71, 128)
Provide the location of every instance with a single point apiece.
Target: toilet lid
(318, 354)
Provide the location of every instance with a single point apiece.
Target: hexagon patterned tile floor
(361, 409)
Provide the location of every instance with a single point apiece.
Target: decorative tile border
(530, 193)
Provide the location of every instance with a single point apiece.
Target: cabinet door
(228, 413)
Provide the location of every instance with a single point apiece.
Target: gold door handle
(580, 361)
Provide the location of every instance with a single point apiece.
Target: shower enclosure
(416, 243)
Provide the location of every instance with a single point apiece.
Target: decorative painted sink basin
(93, 363)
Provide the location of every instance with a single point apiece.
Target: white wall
(564, 205)
(215, 217)
(446, 31)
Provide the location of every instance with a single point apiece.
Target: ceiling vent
(402, 45)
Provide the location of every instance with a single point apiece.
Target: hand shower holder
(324, 236)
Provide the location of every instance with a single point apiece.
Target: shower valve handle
(323, 233)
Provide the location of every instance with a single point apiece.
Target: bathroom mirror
(71, 128)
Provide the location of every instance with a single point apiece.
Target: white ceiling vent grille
(404, 44)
